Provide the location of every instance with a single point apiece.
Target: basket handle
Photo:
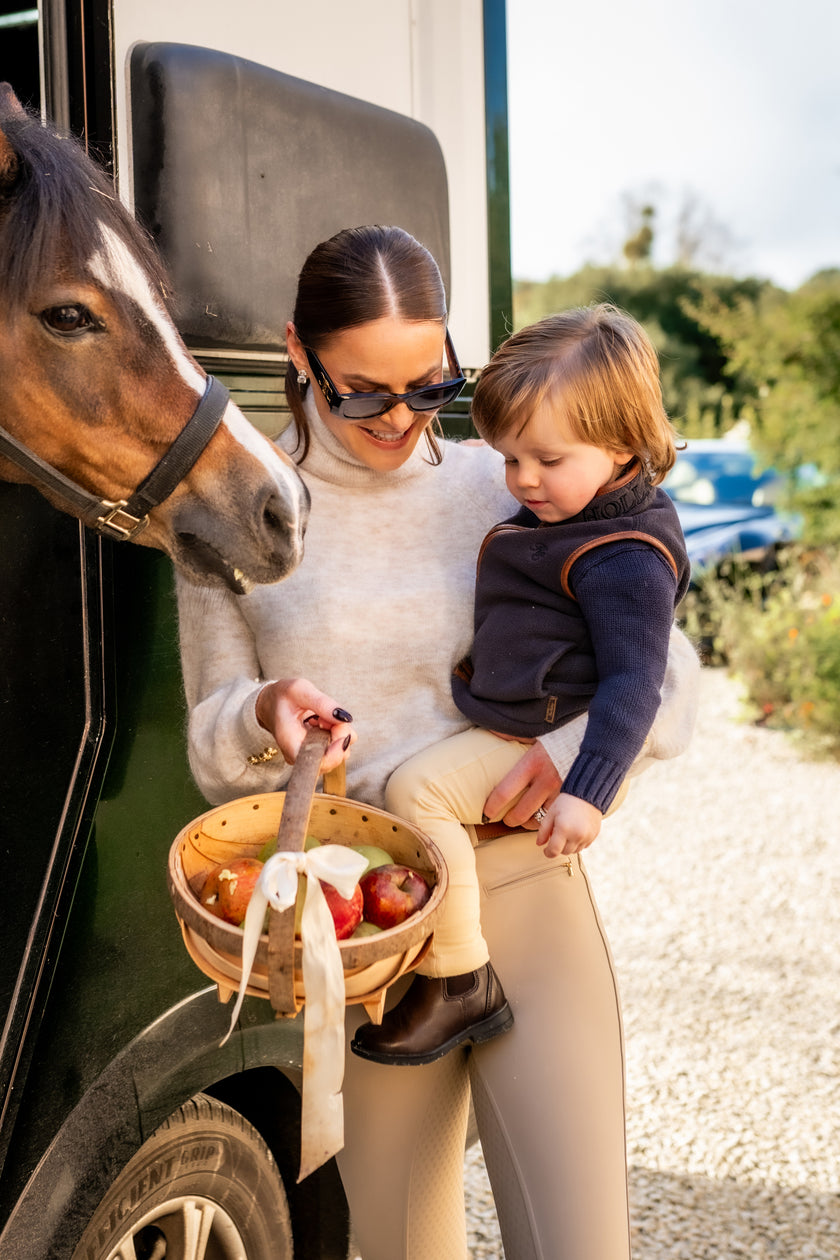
(291, 835)
(335, 781)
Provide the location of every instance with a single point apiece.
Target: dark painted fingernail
(341, 715)
(312, 720)
(484, 818)
(346, 743)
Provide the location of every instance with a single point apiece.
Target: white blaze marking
(115, 266)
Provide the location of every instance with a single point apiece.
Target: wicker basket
(240, 829)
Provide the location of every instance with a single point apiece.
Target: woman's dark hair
(357, 276)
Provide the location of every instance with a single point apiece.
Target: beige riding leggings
(548, 1095)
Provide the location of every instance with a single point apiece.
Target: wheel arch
(171, 1060)
(318, 1208)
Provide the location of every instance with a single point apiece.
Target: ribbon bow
(322, 1113)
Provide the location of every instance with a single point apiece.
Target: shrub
(779, 633)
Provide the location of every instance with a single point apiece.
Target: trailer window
(19, 63)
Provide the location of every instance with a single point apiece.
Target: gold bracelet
(267, 754)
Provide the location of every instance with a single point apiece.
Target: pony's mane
(55, 206)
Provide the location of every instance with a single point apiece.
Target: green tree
(639, 244)
(783, 351)
(700, 394)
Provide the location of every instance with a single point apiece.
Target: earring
(302, 378)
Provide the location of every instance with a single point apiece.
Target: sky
(729, 107)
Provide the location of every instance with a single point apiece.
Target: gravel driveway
(719, 883)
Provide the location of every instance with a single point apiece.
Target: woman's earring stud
(302, 378)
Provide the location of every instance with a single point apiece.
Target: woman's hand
(570, 825)
(532, 782)
(287, 706)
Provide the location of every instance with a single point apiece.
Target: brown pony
(97, 383)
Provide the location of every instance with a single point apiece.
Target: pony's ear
(10, 107)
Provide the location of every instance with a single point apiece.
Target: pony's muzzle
(285, 515)
(242, 547)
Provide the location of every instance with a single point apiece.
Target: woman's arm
(237, 716)
(533, 782)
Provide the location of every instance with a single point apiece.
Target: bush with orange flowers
(779, 633)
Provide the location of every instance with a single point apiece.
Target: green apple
(270, 847)
(366, 929)
(374, 856)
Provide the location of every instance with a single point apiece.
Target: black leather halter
(126, 518)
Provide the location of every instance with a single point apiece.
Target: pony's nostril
(275, 517)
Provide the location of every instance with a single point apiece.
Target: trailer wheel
(203, 1187)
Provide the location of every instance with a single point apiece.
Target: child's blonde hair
(597, 365)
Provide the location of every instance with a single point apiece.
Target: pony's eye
(72, 318)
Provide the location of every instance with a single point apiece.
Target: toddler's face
(551, 471)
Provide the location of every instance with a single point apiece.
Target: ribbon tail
(322, 1111)
(252, 930)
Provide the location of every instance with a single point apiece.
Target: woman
(378, 614)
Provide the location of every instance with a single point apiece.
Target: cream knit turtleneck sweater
(377, 614)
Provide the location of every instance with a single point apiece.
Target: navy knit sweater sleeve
(626, 594)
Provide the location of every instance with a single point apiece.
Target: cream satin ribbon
(322, 1113)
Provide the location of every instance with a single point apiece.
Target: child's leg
(458, 996)
(440, 789)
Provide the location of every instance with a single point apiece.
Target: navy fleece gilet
(568, 612)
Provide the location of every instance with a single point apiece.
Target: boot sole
(493, 1026)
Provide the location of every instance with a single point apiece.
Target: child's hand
(570, 825)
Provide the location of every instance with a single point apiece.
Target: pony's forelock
(55, 207)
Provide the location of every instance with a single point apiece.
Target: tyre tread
(201, 1111)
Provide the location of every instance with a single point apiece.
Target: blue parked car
(729, 506)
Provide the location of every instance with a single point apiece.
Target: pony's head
(95, 379)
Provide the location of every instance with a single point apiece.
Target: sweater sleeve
(222, 679)
(626, 594)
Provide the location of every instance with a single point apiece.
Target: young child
(575, 599)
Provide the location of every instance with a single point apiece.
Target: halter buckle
(118, 523)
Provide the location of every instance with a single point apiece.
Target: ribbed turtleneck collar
(328, 460)
(629, 493)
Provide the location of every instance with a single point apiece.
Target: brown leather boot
(435, 1016)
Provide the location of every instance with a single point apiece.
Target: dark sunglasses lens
(434, 396)
(365, 408)
(429, 398)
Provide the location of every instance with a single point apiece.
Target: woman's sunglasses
(366, 406)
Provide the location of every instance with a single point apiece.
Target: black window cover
(240, 170)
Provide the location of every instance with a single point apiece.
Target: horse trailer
(240, 137)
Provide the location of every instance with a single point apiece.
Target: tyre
(203, 1187)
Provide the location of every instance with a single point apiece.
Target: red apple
(346, 911)
(391, 893)
(209, 895)
(227, 889)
